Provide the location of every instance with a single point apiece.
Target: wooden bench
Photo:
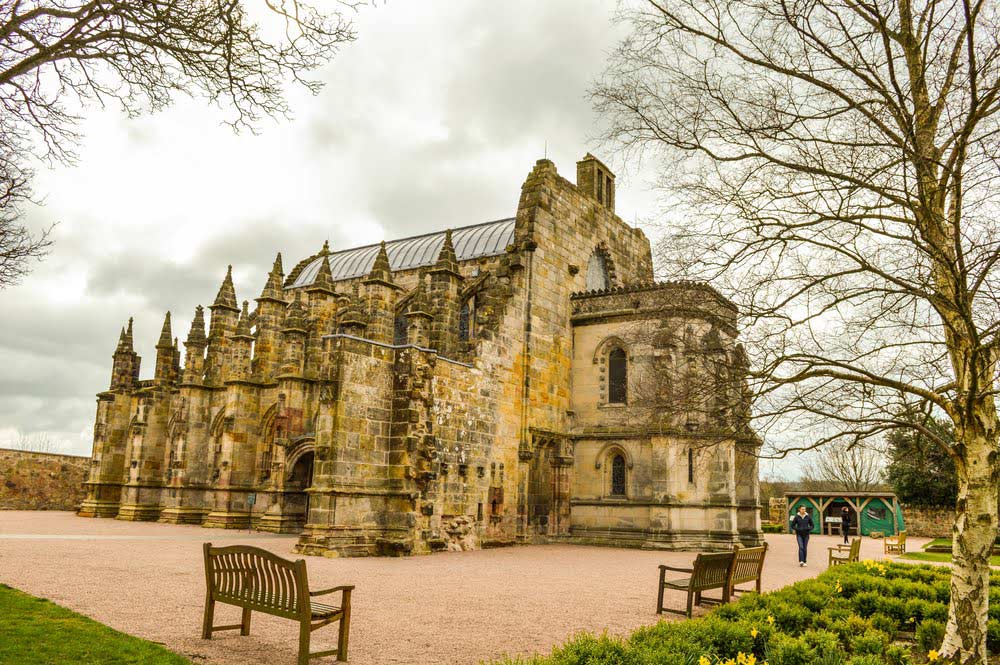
(895, 545)
(258, 581)
(748, 564)
(710, 571)
(845, 553)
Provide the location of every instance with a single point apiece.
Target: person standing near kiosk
(845, 522)
(802, 525)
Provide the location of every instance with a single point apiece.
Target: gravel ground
(459, 607)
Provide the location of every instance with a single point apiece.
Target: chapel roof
(470, 242)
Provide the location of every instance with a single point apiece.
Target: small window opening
(467, 320)
(399, 330)
(690, 465)
(617, 377)
(618, 476)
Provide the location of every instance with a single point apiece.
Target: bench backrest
(902, 537)
(855, 550)
(257, 579)
(748, 562)
(711, 571)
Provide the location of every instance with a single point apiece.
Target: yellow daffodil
(753, 632)
(770, 619)
(933, 655)
(741, 658)
(751, 660)
(704, 661)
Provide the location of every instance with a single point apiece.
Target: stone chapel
(519, 380)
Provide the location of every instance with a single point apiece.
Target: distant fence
(41, 481)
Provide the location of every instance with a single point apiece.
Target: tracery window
(618, 475)
(617, 377)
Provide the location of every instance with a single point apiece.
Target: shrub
(896, 607)
(897, 654)
(867, 659)
(886, 624)
(772, 528)
(866, 603)
(929, 634)
(791, 618)
(587, 649)
(784, 649)
(821, 641)
(871, 641)
(993, 636)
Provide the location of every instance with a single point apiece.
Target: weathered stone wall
(41, 481)
(928, 522)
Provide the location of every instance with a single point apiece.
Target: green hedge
(869, 613)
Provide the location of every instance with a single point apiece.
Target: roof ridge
(422, 235)
(472, 241)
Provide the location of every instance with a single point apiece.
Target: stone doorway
(299, 479)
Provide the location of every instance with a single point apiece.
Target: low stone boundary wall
(41, 481)
(928, 522)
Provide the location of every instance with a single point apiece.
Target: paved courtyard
(462, 607)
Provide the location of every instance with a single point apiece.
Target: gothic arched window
(617, 377)
(597, 272)
(618, 475)
(467, 320)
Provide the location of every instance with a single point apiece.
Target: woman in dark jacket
(802, 525)
(845, 522)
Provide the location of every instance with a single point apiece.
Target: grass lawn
(34, 630)
(941, 556)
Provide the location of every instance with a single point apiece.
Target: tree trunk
(973, 535)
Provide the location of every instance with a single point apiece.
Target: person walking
(845, 522)
(802, 525)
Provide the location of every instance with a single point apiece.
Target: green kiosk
(878, 511)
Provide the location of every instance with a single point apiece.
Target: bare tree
(838, 162)
(39, 442)
(58, 56)
(851, 468)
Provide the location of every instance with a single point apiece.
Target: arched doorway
(298, 480)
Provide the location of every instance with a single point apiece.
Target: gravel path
(462, 607)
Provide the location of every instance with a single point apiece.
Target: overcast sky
(431, 119)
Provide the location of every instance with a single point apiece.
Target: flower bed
(870, 613)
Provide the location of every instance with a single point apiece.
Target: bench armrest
(677, 570)
(323, 592)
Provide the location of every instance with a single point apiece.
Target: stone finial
(325, 251)
(381, 272)
(447, 261)
(128, 335)
(272, 289)
(196, 337)
(166, 336)
(243, 325)
(324, 277)
(295, 315)
(227, 292)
